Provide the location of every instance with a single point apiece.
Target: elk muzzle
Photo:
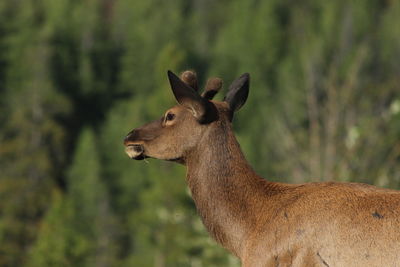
(136, 139)
(133, 148)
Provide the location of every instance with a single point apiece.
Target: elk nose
(130, 137)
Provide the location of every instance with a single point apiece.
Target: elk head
(181, 128)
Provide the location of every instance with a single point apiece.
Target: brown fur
(190, 78)
(273, 224)
(212, 87)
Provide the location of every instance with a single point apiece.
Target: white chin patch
(133, 152)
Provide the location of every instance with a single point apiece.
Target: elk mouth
(135, 151)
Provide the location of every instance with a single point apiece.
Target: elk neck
(224, 187)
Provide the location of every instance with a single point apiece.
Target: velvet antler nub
(190, 78)
(212, 87)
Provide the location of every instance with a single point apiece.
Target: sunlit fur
(274, 224)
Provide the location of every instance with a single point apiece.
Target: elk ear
(238, 92)
(201, 108)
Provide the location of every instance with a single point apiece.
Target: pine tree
(31, 138)
(76, 76)
(79, 229)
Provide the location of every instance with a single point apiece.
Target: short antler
(190, 78)
(212, 87)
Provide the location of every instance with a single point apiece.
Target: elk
(265, 223)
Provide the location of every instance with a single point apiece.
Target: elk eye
(169, 117)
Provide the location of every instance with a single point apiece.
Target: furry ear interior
(238, 92)
(202, 109)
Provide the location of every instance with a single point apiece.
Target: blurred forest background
(77, 75)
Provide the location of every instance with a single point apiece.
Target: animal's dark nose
(130, 137)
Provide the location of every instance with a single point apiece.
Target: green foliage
(76, 76)
(79, 228)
